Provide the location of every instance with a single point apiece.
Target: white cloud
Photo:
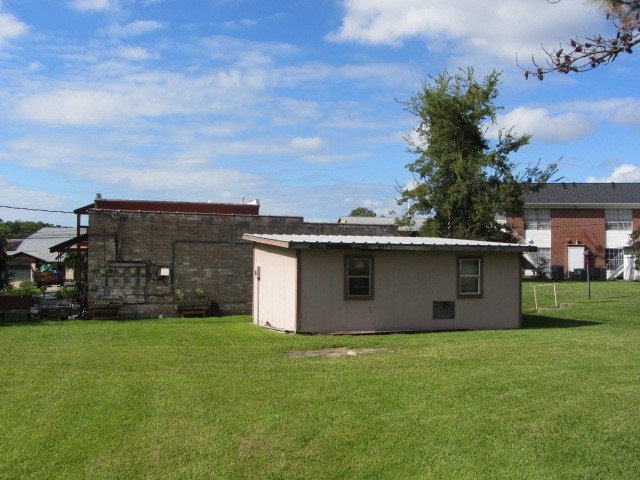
(236, 24)
(628, 113)
(325, 158)
(11, 27)
(132, 29)
(134, 53)
(146, 94)
(622, 174)
(307, 143)
(93, 5)
(544, 126)
(14, 196)
(175, 178)
(496, 27)
(246, 52)
(73, 107)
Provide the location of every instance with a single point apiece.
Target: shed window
(470, 276)
(359, 274)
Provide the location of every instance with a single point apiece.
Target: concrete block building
(143, 252)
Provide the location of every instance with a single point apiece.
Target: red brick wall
(636, 219)
(517, 223)
(578, 226)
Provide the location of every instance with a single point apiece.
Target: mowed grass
(221, 398)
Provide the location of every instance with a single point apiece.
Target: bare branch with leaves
(584, 55)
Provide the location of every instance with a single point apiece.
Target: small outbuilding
(356, 284)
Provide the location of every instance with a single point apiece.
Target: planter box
(197, 307)
(15, 304)
(105, 308)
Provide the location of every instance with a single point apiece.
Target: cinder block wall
(127, 251)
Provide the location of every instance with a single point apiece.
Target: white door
(576, 257)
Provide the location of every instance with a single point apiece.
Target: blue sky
(294, 102)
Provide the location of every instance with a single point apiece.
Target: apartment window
(359, 277)
(618, 218)
(537, 219)
(469, 276)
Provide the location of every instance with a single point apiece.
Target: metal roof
(586, 195)
(251, 208)
(416, 222)
(383, 243)
(37, 245)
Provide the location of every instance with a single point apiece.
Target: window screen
(359, 273)
(470, 276)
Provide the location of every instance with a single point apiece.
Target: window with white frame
(358, 277)
(469, 276)
(537, 219)
(618, 218)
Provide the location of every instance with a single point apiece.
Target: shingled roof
(586, 195)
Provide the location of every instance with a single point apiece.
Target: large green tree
(362, 212)
(20, 228)
(462, 179)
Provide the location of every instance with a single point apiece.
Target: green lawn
(221, 398)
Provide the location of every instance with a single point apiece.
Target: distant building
(575, 225)
(25, 257)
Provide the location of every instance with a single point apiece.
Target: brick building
(575, 223)
(142, 252)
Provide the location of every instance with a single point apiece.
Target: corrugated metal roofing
(588, 194)
(383, 243)
(38, 244)
(171, 207)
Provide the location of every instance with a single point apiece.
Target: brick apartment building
(575, 223)
(142, 252)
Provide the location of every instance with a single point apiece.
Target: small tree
(362, 212)
(635, 242)
(462, 179)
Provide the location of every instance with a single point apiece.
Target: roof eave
(581, 205)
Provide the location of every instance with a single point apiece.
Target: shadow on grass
(542, 321)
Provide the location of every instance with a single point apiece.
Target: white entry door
(576, 257)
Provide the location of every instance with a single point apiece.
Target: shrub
(25, 288)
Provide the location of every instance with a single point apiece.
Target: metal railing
(541, 265)
(615, 266)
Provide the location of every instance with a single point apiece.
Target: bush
(25, 288)
(68, 293)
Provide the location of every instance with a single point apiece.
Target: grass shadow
(542, 321)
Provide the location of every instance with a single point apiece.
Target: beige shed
(355, 284)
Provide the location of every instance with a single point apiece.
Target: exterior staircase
(539, 264)
(615, 266)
